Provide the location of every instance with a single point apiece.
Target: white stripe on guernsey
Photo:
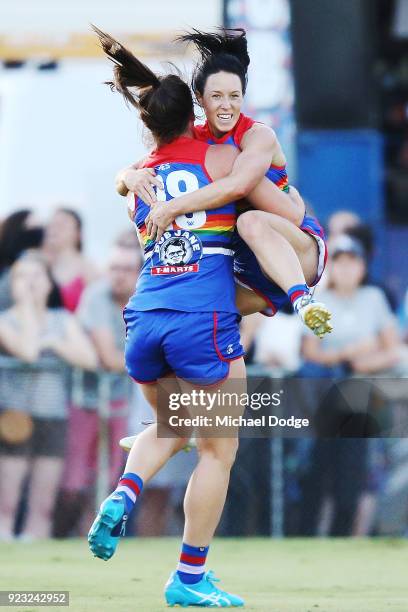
(190, 569)
(322, 251)
(131, 494)
(217, 251)
(206, 251)
(239, 282)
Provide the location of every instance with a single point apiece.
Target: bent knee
(250, 224)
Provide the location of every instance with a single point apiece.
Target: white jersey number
(189, 221)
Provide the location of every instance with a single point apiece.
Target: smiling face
(222, 101)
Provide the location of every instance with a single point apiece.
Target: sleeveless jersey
(276, 174)
(246, 266)
(191, 267)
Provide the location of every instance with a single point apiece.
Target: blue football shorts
(248, 272)
(195, 346)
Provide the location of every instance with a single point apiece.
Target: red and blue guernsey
(191, 268)
(276, 174)
(247, 271)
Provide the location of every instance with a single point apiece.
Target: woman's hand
(142, 183)
(161, 215)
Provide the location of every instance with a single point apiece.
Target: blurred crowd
(59, 311)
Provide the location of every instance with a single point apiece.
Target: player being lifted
(183, 320)
(279, 251)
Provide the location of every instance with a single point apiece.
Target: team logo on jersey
(177, 252)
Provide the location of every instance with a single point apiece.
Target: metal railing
(76, 393)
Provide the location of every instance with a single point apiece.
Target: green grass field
(273, 576)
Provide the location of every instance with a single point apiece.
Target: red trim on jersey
(204, 133)
(207, 174)
(271, 305)
(183, 149)
(244, 124)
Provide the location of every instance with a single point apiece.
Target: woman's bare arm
(312, 351)
(23, 341)
(75, 347)
(246, 179)
(259, 146)
(386, 356)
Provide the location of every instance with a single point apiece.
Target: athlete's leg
(290, 258)
(248, 301)
(149, 453)
(203, 505)
(207, 488)
(287, 255)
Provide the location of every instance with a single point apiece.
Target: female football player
(270, 246)
(176, 324)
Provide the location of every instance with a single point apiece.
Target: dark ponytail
(225, 50)
(164, 102)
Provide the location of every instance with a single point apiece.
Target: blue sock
(296, 293)
(191, 565)
(129, 486)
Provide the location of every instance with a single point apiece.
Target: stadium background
(331, 78)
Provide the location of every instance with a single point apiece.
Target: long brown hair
(165, 102)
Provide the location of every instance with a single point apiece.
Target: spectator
(342, 221)
(128, 239)
(364, 342)
(63, 248)
(19, 231)
(100, 312)
(365, 337)
(36, 332)
(278, 343)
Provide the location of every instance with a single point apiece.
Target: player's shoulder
(259, 133)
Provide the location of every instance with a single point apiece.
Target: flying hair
(225, 40)
(165, 102)
(225, 50)
(128, 71)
